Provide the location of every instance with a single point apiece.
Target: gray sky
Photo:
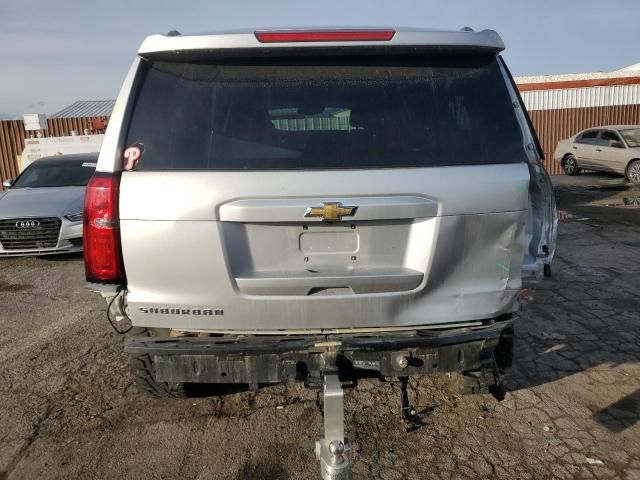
(53, 53)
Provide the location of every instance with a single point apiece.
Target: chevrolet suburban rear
(290, 205)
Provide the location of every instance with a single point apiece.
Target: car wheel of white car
(569, 165)
(633, 172)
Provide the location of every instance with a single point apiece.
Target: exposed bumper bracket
(282, 359)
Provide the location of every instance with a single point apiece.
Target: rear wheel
(633, 172)
(570, 165)
(145, 374)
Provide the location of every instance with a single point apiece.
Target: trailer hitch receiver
(333, 449)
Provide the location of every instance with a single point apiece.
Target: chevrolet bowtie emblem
(330, 211)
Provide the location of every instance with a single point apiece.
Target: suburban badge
(182, 311)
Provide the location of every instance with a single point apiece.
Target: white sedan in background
(608, 149)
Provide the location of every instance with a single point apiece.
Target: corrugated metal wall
(581, 97)
(12, 135)
(59, 127)
(554, 125)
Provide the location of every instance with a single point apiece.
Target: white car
(607, 149)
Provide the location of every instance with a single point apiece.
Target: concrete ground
(69, 408)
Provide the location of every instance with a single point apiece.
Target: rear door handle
(575, 148)
(598, 150)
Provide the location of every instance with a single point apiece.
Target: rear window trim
(188, 56)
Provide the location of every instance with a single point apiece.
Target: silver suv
(318, 206)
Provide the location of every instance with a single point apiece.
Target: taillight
(101, 233)
(325, 36)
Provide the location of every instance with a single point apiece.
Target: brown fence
(11, 144)
(12, 135)
(555, 125)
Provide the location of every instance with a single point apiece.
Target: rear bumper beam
(283, 359)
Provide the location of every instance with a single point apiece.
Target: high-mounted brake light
(101, 230)
(326, 36)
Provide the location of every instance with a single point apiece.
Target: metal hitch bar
(333, 450)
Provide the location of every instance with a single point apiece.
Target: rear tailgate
(333, 192)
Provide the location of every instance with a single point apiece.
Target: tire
(570, 165)
(144, 373)
(633, 172)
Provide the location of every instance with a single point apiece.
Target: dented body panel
(464, 255)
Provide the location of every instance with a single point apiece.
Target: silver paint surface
(178, 252)
(22, 203)
(246, 39)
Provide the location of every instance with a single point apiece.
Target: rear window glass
(325, 113)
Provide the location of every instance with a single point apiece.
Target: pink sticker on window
(132, 155)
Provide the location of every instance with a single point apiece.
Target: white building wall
(581, 97)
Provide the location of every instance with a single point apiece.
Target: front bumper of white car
(39, 236)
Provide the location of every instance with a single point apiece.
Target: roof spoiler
(461, 40)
